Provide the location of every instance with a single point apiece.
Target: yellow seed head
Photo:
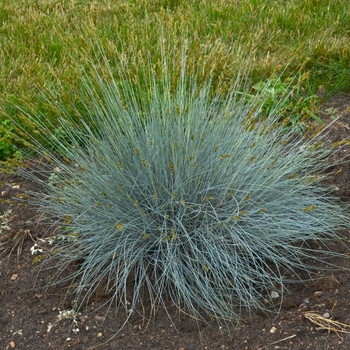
(312, 179)
(273, 163)
(67, 219)
(119, 226)
(223, 156)
(251, 159)
(145, 163)
(309, 208)
(173, 234)
(120, 165)
(316, 146)
(55, 251)
(171, 167)
(37, 259)
(67, 160)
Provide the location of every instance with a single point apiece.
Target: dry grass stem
(327, 323)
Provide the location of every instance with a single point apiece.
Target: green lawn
(45, 43)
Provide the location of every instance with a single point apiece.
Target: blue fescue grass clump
(167, 192)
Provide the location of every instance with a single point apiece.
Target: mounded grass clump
(165, 193)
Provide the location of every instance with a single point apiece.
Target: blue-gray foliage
(172, 192)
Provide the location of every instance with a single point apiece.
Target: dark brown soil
(27, 309)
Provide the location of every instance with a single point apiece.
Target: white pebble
(274, 295)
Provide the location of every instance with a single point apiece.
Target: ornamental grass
(165, 192)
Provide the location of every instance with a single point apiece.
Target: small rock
(302, 307)
(12, 344)
(273, 329)
(318, 294)
(274, 295)
(99, 318)
(14, 277)
(326, 315)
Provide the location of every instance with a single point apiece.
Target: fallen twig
(278, 341)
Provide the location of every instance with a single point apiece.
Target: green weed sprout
(7, 148)
(169, 193)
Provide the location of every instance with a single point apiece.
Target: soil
(314, 315)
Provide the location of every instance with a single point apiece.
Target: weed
(297, 107)
(7, 148)
(11, 240)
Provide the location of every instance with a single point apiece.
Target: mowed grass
(45, 43)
